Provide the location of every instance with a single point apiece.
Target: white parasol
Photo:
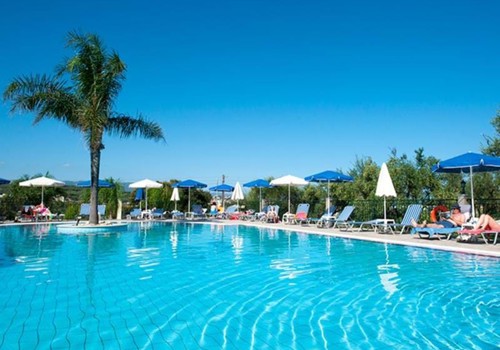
(175, 197)
(289, 180)
(237, 194)
(385, 188)
(42, 182)
(146, 183)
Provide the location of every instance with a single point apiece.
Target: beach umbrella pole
(328, 197)
(288, 198)
(385, 214)
(472, 194)
(260, 199)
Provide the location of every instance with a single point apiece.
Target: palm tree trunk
(95, 162)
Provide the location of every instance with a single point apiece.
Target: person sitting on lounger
(455, 220)
(271, 215)
(486, 222)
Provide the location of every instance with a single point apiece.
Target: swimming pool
(207, 286)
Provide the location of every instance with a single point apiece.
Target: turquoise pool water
(188, 286)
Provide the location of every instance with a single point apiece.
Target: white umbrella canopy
(237, 194)
(175, 197)
(385, 187)
(289, 180)
(42, 182)
(146, 183)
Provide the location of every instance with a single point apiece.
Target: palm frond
(45, 96)
(126, 126)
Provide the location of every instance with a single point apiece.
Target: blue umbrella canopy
(102, 183)
(189, 184)
(260, 184)
(329, 176)
(468, 162)
(4, 181)
(222, 188)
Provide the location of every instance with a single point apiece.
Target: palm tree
(86, 105)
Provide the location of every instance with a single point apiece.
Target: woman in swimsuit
(486, 222)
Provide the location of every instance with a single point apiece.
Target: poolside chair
(327, 215)
(342, 221)
(472, 236)
(369, 225)
(196, 212)
(412, 213)
(299, 216)
(85, 210)
(430, 233)
(177, 215)
(43, 213)
(258, 216)
(158, 213)
(444, 233)
(135, 214)
(26, 213)
(272, 215)
(229, 212)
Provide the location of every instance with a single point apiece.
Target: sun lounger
(299, 217)
(196, 212)
(272, 214)
(85, 209)
(342, 221)
(134, 214)
(472, 236)
(370, 225)
(326, 215)
(157, 213)
(412, 213)
(439, 233)
(177, 215)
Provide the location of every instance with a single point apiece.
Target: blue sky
(252, 89)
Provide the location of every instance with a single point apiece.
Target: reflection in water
(237, 244)
(328, 246)
(388, 274)
(174, 240)
(272, 234)
(41, 230)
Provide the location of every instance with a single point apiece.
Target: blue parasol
(222, 188)
(468, 162)
(4, 181)
(101, 184)
(189, 184)
(329, 176)
(260, 184)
